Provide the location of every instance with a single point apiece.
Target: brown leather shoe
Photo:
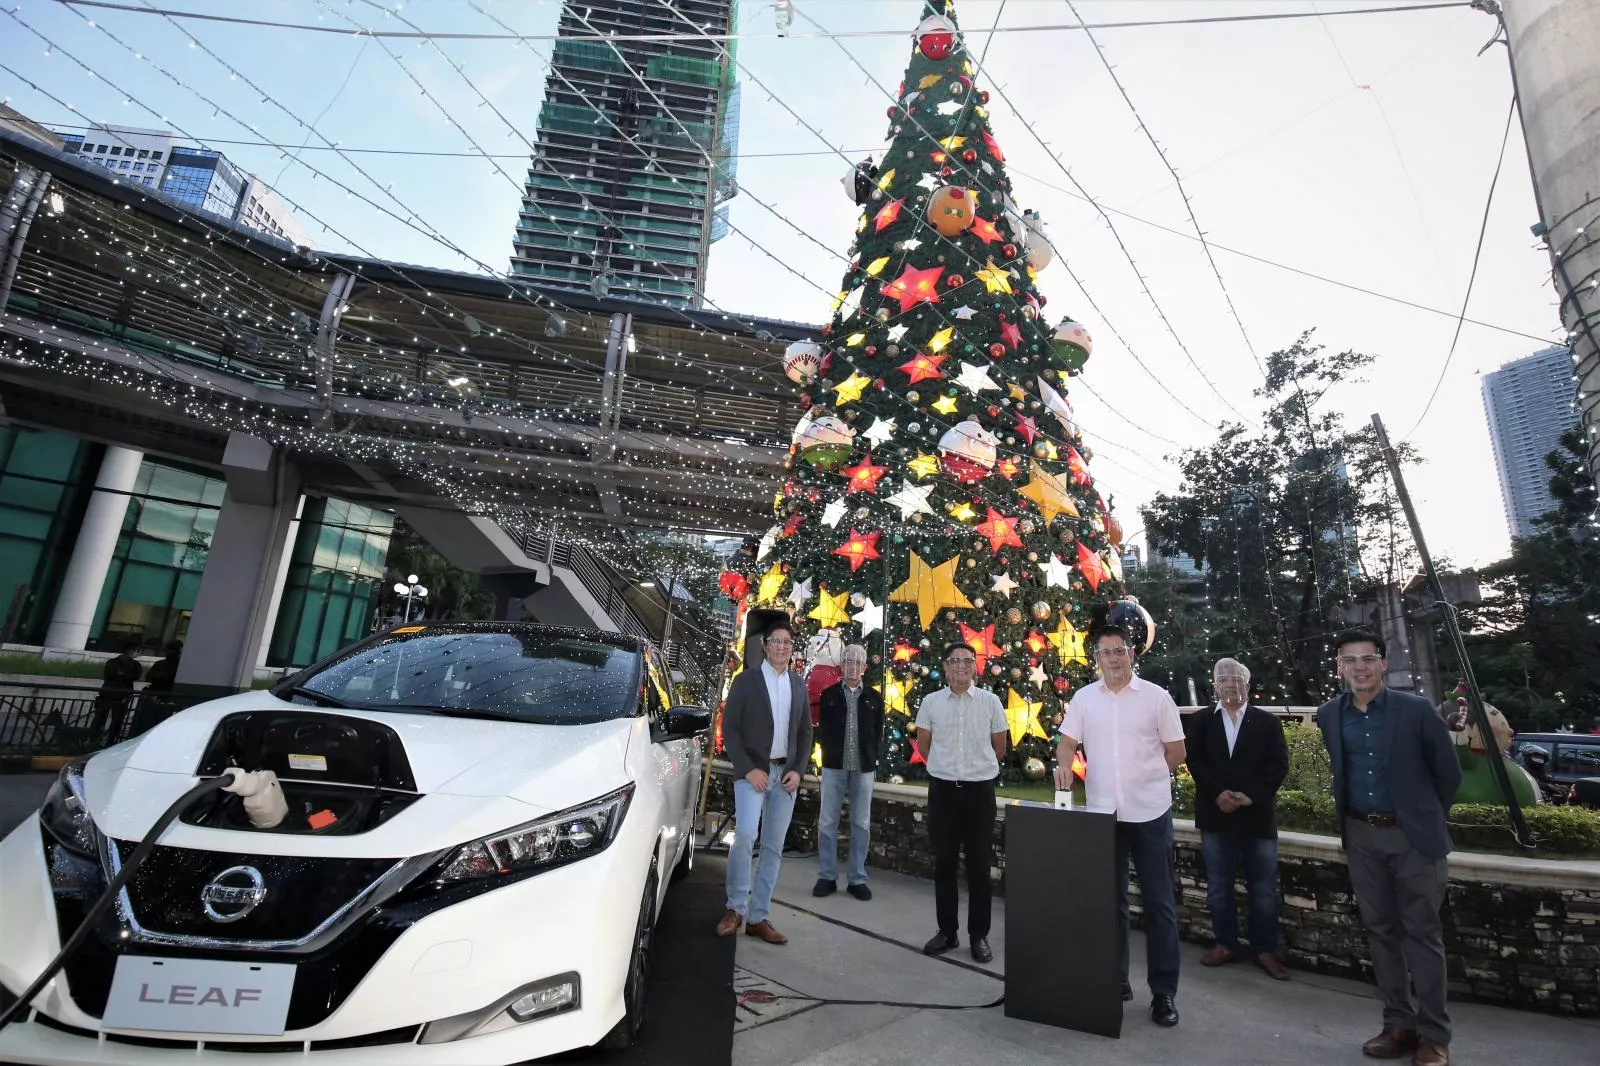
(730, 923)
(764, 930)
(1218, 956)
(1429, 1053)
(1275, 969)
(1391, 1043)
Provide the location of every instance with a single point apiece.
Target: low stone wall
(1519, 932)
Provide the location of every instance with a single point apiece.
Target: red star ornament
(984, 230)
(916, 755)
(913, 287)
(1011, 334)
(994, 148)
(792, 524)
(999, 531)
(1092, 567)
(923, 367)
(1008, 467)
(887, 215)
(904, 653)
(859, 548)
(982, 642)
(1027, 428)
(864, 476)
(1080, 469)
(1036, 643)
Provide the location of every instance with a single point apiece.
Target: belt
(779, 762)
(1380, 819)
(964, 784)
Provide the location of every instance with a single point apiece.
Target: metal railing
(76, 720)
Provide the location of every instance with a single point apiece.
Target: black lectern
(1063, 956)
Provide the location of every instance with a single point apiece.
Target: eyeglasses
(779, 643)
(1364, 660)
(855, 662)
(1111, 653)
(961, 662)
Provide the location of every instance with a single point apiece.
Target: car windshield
(522, 676)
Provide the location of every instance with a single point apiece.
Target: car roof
(598, 636)
(1582, 738)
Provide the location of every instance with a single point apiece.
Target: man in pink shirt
(1133, 740)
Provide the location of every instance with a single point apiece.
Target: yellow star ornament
(994, 279)
(1022, 715)
(771, 584)
(1068, 642)
(850, 389)
(923, 465)
(895, 692)
(831, 611)
(931, 588)
(941, 340)
(946, 405)
(1049, 493)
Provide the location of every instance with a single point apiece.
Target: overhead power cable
(1277, 16)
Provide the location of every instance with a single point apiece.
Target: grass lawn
(22, 663)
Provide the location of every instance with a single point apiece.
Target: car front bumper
(455, 960)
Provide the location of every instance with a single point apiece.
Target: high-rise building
(1530, 402)
(261, 209)
(138, 156)
(635, 151)
(204, 180)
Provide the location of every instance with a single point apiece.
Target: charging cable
(140, 853)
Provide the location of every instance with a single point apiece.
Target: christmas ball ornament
(826, 443)
(969, 156)
(1070, 345)
(1131, 616)
(1034, 769)
(1008, 250)
(802, 361)
(967, 451)
(733, 584)
(936, 37)
(950, 210)
(983, 96)
(862, 179)
(1039, 251)
(955, 281)
(1014, 615)
(997, 350)
(1114, 530)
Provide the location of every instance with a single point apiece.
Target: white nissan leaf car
(483, 819)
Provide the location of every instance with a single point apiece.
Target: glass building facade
(45, 481)
(334, 581)
(205, 180)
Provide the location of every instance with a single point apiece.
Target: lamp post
(410, 590)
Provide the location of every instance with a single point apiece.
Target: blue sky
(1359, 148)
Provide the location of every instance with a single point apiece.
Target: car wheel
(685, 864)
(626, 1031)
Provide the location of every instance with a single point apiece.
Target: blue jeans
(1224, 854)
(1149, 846)
(765, 813)
(835, 785)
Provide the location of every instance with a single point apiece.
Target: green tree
(454, 595)
(1183, 622)
(1532, 639)
(1293, 517)
(943, 493)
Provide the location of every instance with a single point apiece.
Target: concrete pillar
(233, 608)
(91, 555)
(1552, 44)
(276, 602)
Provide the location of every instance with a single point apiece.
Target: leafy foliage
(1293, 517)
(1532, 640)
(454, 595)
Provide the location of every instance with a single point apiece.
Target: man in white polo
(961, 731)
(1133, 740)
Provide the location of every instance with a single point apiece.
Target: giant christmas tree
(938, 487)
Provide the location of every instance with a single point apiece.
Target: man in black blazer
(766, 734)
(1238, 758)
(849, 722)
(1395, 774)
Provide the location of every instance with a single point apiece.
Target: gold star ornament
(1022, 716)
(831, 611)
(931, 588)
(1049, 493)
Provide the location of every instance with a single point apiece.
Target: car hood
(479, 775)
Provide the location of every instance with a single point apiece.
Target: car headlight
(555, 840)
(65, 812)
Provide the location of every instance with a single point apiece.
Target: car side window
(1582, 760)
(656, 695)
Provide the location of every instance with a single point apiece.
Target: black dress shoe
(860, 891)
(980, 949)
(824, 888)
(1127, 992)
(940, 944)
(1162, 1012)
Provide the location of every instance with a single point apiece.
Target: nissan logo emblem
(233, 893)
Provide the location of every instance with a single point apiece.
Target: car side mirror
(688, 721)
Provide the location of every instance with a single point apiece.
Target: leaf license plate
(199, 996)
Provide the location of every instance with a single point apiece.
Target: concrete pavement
(841, 948)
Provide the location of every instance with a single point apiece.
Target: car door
(676, 758)
(1574, 760)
